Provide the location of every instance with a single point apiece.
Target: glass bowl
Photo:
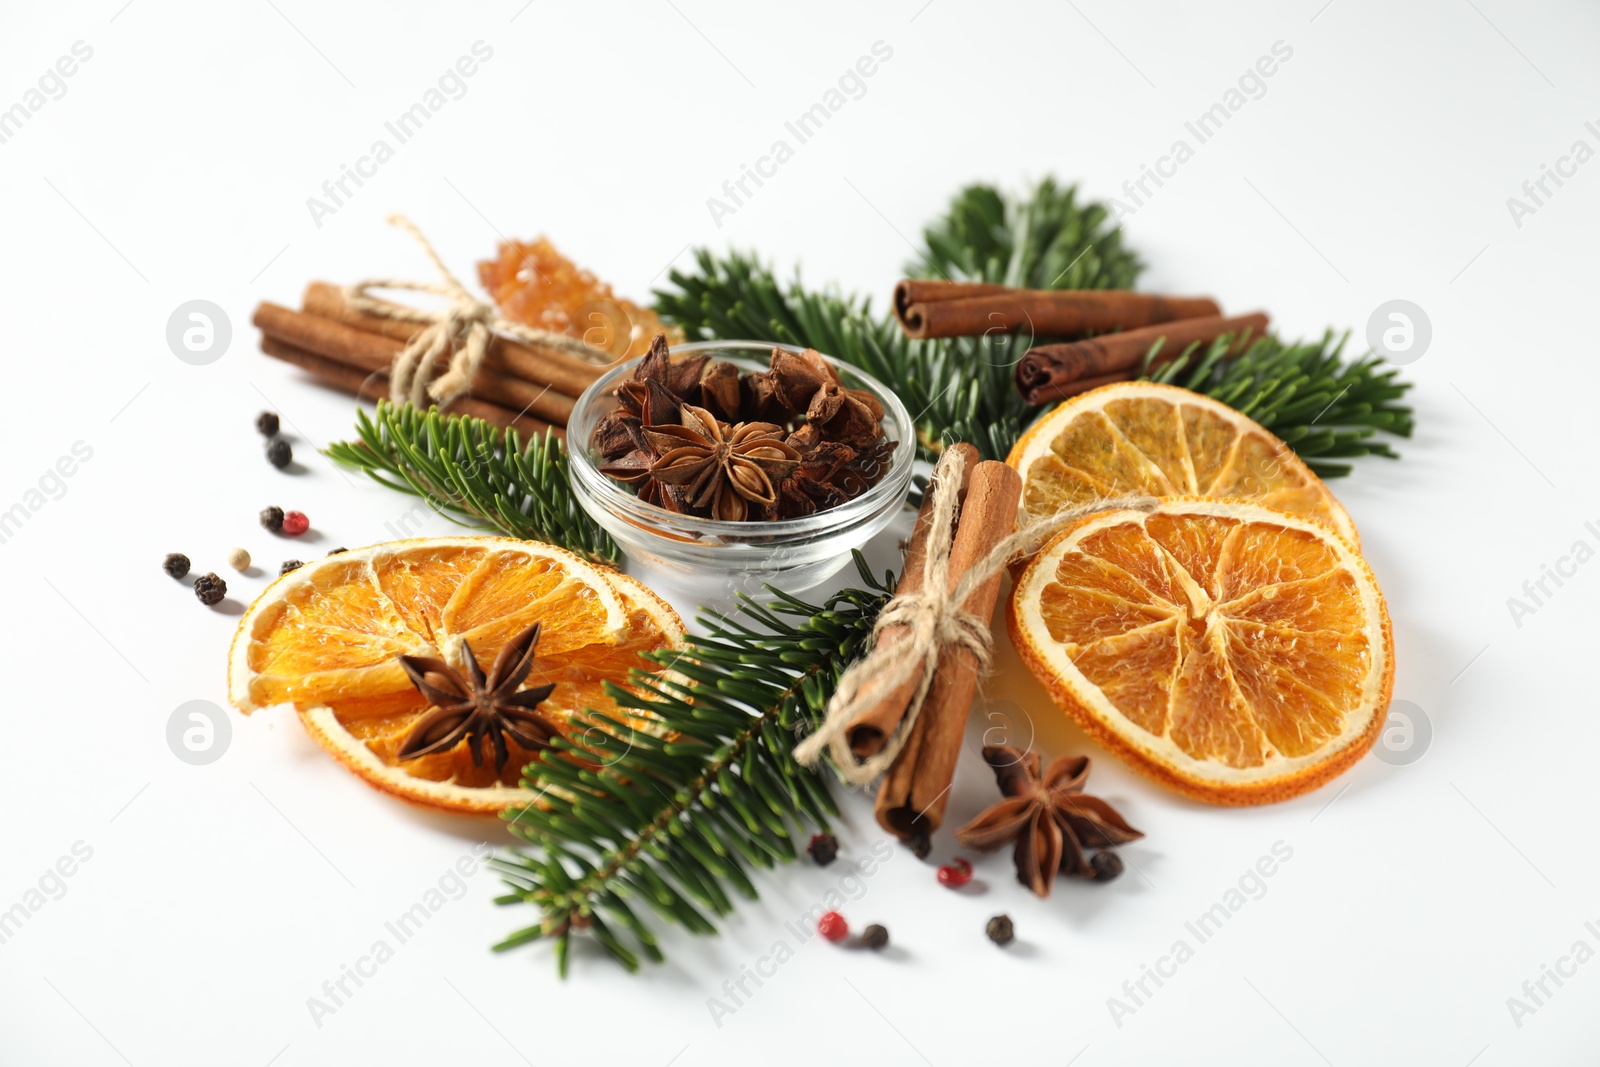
(710, 560)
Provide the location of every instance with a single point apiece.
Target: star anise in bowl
(725, 470)
(697, 436)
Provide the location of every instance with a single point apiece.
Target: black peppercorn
(209, 588)
(920, 844)
(289, 565)
(875, 937)
(1000, 930)
(279, 453)
(272, 519)
(267, 423)
(176, 564)
(824, 849)
(1105, 866)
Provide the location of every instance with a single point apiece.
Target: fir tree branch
(673, 817)
(1046, 240)
(475, 474)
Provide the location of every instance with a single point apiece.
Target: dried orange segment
(1193, 543)
(1131, 550)
(1256, 558)
(1093, 446)
(357, 628)
(326, 638)
(1145, 439)
(1262, 670)
(1079, 616)
(514, 588)
(1102, 576)
(378, 680)
(1209, 719)
(420, 582)
(1136, 669)
(1295, 683)
(1329, 603)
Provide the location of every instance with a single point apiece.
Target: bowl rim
(654, 519)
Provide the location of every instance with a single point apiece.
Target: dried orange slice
(1237, 654)
(325, 638)
(1145, 439)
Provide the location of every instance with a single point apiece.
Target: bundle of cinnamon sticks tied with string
(528, 387)
(1095, 336)
(916, 788)
(902, 712)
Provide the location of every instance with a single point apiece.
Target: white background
(1376, 165)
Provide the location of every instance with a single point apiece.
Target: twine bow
(936, 622)
(463, 330)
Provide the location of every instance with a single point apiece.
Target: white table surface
(1376, 164)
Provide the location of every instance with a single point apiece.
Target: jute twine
(935, 621)
(463, 331)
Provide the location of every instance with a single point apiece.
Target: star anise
(810, 487)
(848, 415)
(798, 377)
(723, 470)
(1049, 816)
(626, 454)
(830, 472)
(675, 379)
(719, 390)
(630, 464)
(648, 404)
(485, 710)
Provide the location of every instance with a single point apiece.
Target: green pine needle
(475, 474)
(638, 824)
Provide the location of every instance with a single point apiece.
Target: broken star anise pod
(1049, 817)
(723, 470)
(848, 415)
(483, 709)
(656, 368)
(719, 390)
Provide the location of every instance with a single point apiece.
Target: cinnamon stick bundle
(870, 730)
(928, 309)
(561, 371)
(1054, 372)
(375, 352)
(916, 789)
(375, 385)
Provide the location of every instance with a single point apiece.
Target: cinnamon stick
(372, 386)
(375, 352)
(916, 789)
(910, 291)
(869, 731)
(1054, 372)
(563, 372)
(964, 309)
